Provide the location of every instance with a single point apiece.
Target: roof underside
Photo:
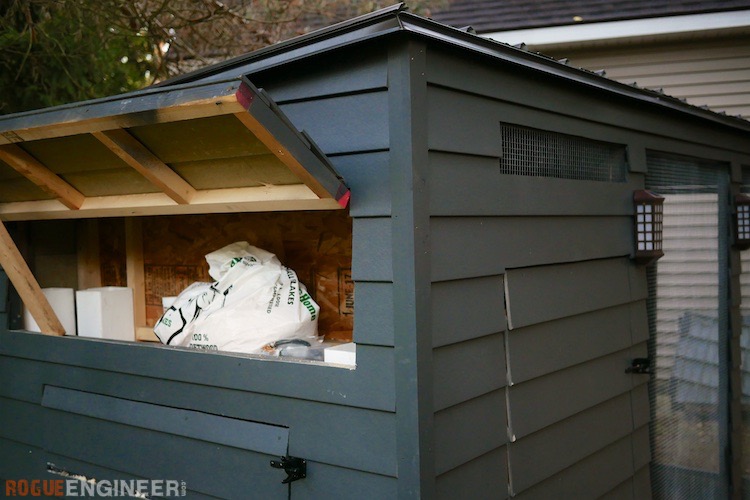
(487, 16)
(202, 148)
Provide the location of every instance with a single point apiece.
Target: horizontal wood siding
(473, 186)
(538, 294)
(483, 477)
(20, 460)
(454, 383)
(314, 440)
(713, 73)
(590, 478)
(480, 299)
(500, 243)
(549, 104)
(551, 346)
(573, 304)
(469, 430)
(341, 420)
(563, 444)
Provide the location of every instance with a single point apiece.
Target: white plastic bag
(254, 301)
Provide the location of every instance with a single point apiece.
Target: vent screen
(539, 153)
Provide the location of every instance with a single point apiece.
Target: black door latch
(641, 366)
(295, 468)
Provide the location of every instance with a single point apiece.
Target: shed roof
(157, 150)
(502, 15)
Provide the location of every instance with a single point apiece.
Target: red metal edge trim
(245, 95)
(343, 200)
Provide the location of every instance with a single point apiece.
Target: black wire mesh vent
(540, 153)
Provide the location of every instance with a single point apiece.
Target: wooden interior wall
(317, 245)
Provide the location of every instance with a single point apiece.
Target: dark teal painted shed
(498, 308)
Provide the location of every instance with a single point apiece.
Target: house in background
(697, 50)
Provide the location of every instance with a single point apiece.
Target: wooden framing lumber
(136, 276)
(249, 199)
(28, 166)
(26, 285)
(135, 154)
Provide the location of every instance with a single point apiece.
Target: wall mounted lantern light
(742, 222)
(649, 223)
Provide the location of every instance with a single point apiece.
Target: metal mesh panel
(688, 318)
(539, 153)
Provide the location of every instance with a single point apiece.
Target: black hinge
(295, 468)
(641, 366)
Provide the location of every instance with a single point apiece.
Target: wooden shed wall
(342, 421)
(531, 278)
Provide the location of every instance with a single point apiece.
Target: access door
(689, 323)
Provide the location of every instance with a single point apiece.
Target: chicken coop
(469, 217)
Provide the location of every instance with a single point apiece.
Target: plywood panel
(76, 154)
(112, 253)
(199, 139)
(22, 189)
(317, 245)
(221, 173)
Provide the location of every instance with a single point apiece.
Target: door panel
(688, 320)
(211, 454)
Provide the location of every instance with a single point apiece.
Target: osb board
(112, 252)
(317, 245)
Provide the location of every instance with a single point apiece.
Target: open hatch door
(221, 147)
(182, 149)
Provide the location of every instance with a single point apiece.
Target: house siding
(715, 73)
